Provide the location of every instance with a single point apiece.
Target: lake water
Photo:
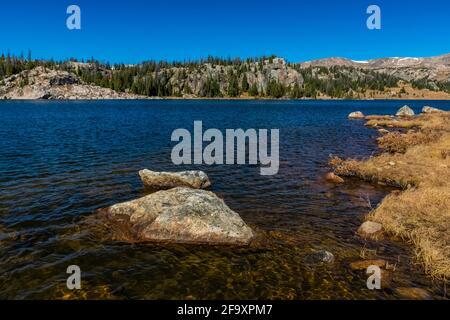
(60, 161)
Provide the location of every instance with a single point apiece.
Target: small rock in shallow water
(333, 178)
(167, 180)
(180, 215)
(320, 256)
(413, 293)
(356, 115)
(405, 112)
(370, 228)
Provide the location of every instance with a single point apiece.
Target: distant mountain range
(268, 77)
(433, 69)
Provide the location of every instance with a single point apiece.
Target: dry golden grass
(404, 123)
(434, 121)
(421, 213)
(399, 142)
(422, 217)
(378, 117)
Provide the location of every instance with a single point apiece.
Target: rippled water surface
(60, 161)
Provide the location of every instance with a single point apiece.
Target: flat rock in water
(167, 180)
(181, 215)
(405, 112)
(364, 264)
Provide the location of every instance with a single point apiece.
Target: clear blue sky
(131, 31)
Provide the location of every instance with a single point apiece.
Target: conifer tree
(253, 90)
(245, 86)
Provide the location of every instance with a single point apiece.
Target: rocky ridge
(276, 69)
(43, 83)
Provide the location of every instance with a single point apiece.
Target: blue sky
(132, 31)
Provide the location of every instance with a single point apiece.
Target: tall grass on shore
(418, 162)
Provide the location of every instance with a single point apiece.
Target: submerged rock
(333, 178)
(356, 115)
(386, 279)
(167, 180)
(181, 215)
(427, 109)
(405, 111)
(320, 256)
(370, 229)
(413, 293)
(364, 264)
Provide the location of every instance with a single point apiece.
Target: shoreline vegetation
(415, 158)
(226, 99)
(217, 78)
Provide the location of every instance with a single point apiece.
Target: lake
(61, 160)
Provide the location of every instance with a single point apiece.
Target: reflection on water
(60, 161)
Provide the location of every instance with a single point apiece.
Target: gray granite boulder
(405, 112)
(181, 215)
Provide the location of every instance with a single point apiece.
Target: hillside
(269, 77)
(434, 70)
(42, 83)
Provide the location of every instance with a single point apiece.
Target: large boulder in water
(405, 111)
(167, 180)
(181, 215)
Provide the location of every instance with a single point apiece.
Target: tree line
(165, 79)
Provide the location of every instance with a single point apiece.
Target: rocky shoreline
(415, 158)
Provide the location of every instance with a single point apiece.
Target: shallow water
(60, 161)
